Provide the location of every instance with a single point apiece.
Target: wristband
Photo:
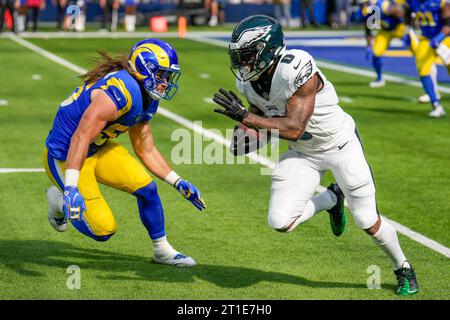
(72, 176)
(172, 178)
(439, 37)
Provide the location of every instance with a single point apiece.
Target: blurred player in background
(288, 93)
(11, 6)
(216, 9)
(433, 17)
(392, 26)
(110, 14)
(21, 15)
(33, 9)
(118, 95)
(61, 7)
(130, 15)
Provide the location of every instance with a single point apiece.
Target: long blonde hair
(106, 64)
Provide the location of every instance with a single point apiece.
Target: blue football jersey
(126, 94)
(428, 13)
(388, 22)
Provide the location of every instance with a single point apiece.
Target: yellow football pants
(113, 166)
(383, 39)
(426, 56)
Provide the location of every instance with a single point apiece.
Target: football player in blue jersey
(392, 26)
(433, 17)
(118, 95)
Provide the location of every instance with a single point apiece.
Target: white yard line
(429, 243)
(20, 170)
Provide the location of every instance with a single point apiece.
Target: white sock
(386, 238)
(21, 23)
(130, 22)
(433, 75)
(162, 247)
(322, 201)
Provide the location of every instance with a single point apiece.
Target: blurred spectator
(21, 15)
(282, 10)
(33, 8)
(110, 13)
(130, 14)
(342, 12)
(61, 6)
(217, 13)
(307, 4)
(331, 9)
(11, 5)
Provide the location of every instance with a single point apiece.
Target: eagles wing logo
(304, 74)
(251, 35)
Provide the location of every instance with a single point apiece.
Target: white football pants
(297, 176)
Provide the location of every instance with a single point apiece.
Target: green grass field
(239, 256)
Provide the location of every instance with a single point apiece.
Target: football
(246, 139)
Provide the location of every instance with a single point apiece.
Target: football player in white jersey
(288, 93)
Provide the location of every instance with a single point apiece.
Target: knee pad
(280, 222)
(364, 212)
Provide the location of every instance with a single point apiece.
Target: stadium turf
(238, 255)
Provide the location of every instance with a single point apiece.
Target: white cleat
(177, 260)
(426, 98)
(56, 218)
(437, 112)
(377, 83)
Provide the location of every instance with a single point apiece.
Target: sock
(130, 22)
(322, 201)
(378, 65)
(433, 75)
(151, 210)
(162, 248)
(428, 86)
(386, 238)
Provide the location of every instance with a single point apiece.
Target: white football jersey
(328, 127)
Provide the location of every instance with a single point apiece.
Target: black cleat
(338, 220)
(407, 282)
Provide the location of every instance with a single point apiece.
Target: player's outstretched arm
(97, 115)
(142, 140)
(299, 109)
(445, 31)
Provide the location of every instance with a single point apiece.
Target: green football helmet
(256, 43)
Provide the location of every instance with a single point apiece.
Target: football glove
(74, 206)
(233, 107)
(191, 193)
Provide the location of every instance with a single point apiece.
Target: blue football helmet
(155, 63)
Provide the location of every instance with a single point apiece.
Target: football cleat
(178, 260)
(377, 84)
(338, 220)
(407, 282)
(55, 215)
(437, 112)
(426, 98)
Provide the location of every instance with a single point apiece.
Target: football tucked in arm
(246, 140)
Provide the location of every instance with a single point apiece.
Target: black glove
(232, 105)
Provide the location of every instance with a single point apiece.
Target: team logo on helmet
(155, 63)
(250, 36)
